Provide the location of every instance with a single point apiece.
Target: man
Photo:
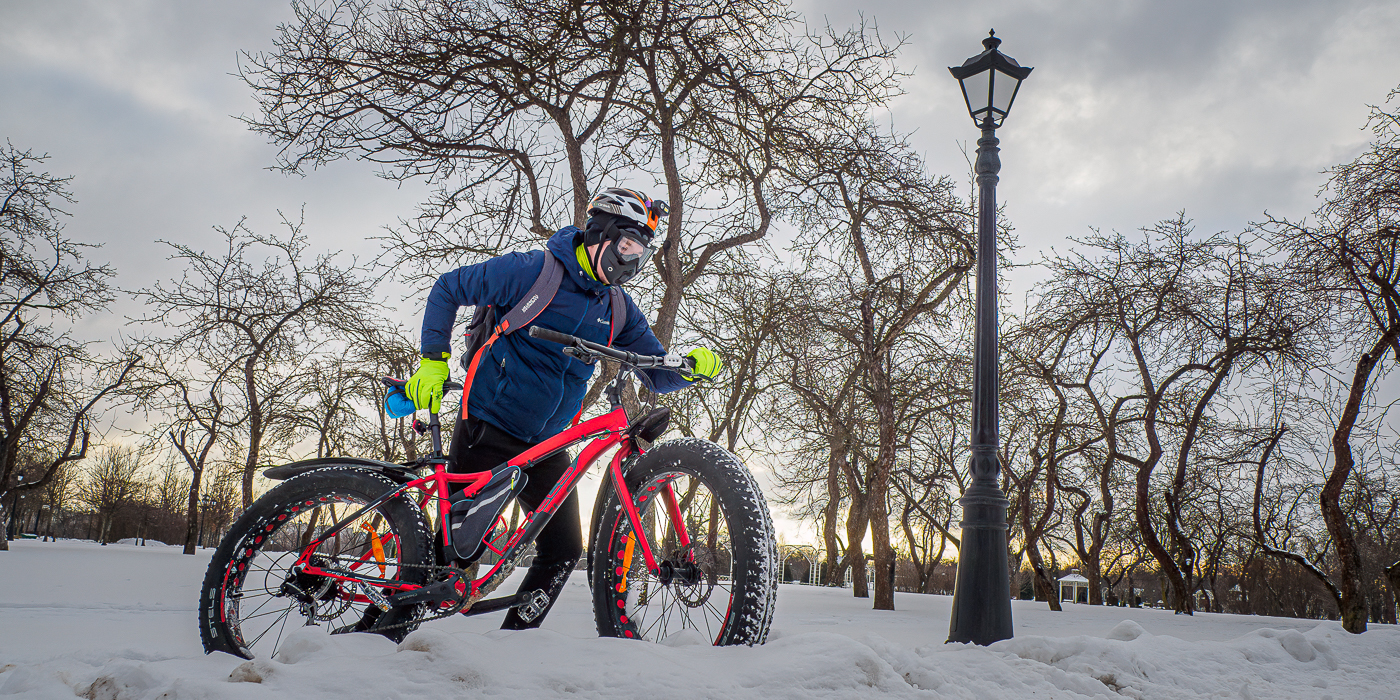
(524, 390)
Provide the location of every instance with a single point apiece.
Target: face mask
(622, 260)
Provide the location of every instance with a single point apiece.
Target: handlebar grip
(552, 336)
(450, 385)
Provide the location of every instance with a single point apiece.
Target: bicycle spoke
(264, 614)
(253, 614)
(285, 613)
(259, 626)
(691, 599)
(280, 630)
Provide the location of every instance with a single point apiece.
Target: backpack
(483, 330)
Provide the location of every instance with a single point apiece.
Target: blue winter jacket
(525, 386)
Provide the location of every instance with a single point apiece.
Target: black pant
(480, 446)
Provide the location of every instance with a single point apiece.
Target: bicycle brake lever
(583, 356)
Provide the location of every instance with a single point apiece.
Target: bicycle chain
(436, 569)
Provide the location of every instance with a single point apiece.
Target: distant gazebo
(1075, 583)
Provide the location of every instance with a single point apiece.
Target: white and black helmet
(633, 207)
(615, 214)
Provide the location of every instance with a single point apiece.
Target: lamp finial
(991, 42)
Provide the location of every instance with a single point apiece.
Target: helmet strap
(596, 255)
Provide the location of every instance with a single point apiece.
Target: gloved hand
(425, 386)
(707, 363)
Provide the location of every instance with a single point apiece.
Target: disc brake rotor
(694, 577)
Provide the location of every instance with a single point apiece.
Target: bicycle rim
(693, 590)
(264, 600)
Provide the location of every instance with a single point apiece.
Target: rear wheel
(252, 597)
(720, 586)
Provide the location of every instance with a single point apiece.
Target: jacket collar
(562, 245)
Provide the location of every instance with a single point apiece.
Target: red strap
(471, 369)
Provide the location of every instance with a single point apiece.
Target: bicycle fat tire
(256, 533)
(751, 551)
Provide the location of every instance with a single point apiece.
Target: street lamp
(982, 592)
(14, 506)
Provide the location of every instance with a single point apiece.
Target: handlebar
(554, 336)
(586, 350)
(393, 383)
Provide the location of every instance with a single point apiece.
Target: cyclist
(525, 390)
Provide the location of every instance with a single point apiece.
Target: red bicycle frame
(606, 431)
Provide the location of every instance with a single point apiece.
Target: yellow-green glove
(425, 386)
(707, 363)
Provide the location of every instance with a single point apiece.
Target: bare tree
(188, 392)
(261, 306)
(50, 383)
(890, 247)
(487, 97)
(1188, 315)
(110, 484)
(1346, 262)
(383, 352)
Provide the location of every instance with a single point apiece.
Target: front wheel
(721, 585)
(252, 596)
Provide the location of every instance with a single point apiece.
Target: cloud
(1137, 109)
(136, 100)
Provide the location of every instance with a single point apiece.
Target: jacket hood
(562, 245)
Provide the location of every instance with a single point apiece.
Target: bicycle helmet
(636, 208)
(629, 219)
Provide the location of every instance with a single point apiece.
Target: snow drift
(77, 620)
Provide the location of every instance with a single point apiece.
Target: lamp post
(982, 592)
(14, 506)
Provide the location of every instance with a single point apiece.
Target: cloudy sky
(1136, 109)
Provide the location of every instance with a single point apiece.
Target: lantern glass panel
(1003, 90)
(978, 91)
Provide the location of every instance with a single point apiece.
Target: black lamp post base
(982, 593)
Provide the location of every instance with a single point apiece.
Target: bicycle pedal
(533, 606)
(374, 596)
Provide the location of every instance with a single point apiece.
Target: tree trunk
(884, 554)
(855, 554)
(1352, 598)
(877, 483)
(255, 430)
(192, 515)
(1171, 579)
(832, 513)
(1041, 577)
(1091, 572)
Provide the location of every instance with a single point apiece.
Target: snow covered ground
(112, 622)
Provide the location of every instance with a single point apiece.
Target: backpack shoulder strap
(534, 302)
(529, 308)
(619, 312)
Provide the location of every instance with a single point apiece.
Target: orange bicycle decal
(376, 545)
(626, 562)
